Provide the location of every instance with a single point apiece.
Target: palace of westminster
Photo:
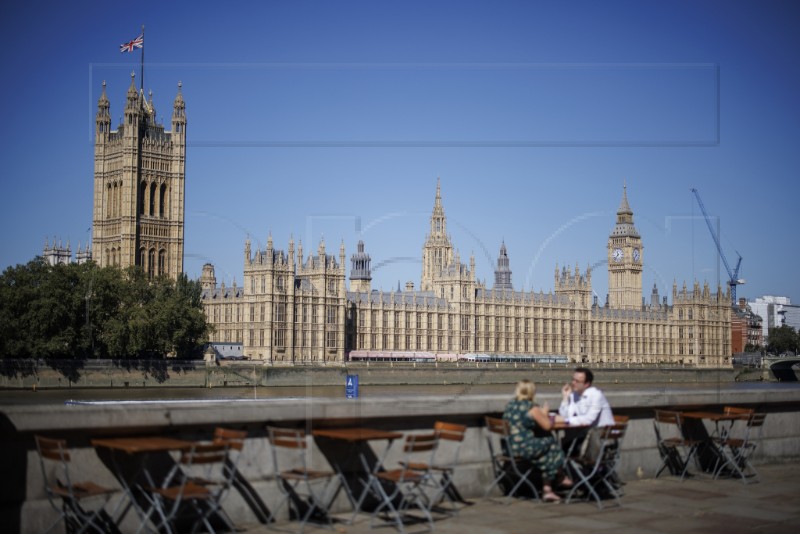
(296, 306)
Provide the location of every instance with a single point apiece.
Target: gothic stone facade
(139, 176)
(298, 309)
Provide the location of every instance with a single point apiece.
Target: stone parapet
(24, 506)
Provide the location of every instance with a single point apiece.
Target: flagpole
(142, 77)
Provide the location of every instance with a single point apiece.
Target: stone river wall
(171, 373)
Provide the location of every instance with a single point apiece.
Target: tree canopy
(82, 311)
(782, 339)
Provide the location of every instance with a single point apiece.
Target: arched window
(142, 204)
(109, 199)
(114, 200)
(162, 200)
(152, 199)
(142, 259)
(151, 262)
(108, 257)
(162, 262)
(119, 199)
(113, 256)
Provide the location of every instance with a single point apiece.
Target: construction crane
(733, 276)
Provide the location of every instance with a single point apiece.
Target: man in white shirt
(582, 404)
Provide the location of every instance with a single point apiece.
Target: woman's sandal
(566, 483)
(551, 497)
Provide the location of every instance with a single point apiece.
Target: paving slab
(653, 506)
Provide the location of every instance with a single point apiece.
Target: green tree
(78, 311)
(782, 339)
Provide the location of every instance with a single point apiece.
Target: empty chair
(306, 491)
(513, 472)
(595, 474)
(403, 488)
(235, 441)
(445, 463)
(676, 451)
(737, 451)
(184, 496)
(54, 459)
(227, 473)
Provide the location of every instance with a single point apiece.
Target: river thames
(310, 391)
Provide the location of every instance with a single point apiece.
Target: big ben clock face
(636, 255)
(617, 255)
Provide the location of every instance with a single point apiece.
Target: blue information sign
(351, 387)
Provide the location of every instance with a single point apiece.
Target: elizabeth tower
(625, 257)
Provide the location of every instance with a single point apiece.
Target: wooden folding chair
(512, 471)
(306, 491)
(596, 475)
(671, 445)
(54, 458)
(737, 451)
(204, 494)
(444, 467)
(402, 489)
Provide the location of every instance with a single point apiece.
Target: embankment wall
(23, 506)
(171, 373)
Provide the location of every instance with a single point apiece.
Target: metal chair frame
(299, 484)
(443, 486)
(497, 430)
(179, 486)
(736, 452)
(403, 488)
(75, 517)
(595, 473)
(669, 447)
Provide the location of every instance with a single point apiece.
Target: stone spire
(151, 108)
(437, 252)
(132, 99)
(179, 116)
(625, 226)
(103, 118)
(502, 275)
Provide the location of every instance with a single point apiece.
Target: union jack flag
(130, 46)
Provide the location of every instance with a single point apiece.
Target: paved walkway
(651, 505)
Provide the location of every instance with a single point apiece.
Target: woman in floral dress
(530, 438)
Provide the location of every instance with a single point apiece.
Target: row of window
(519, 345)
(153, 262)
(281, 284)
(302, 338)
(113, 200)
(301, 313)
(153, 199)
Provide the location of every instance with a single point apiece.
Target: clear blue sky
(335, 118)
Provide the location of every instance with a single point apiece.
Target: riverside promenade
(653, 505)
(648, 502)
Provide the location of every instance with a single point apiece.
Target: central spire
(438, 210)
(437, 253)
(438, 219)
